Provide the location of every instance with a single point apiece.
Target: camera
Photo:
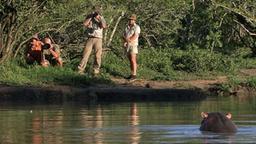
(95, 14)
(46, 46)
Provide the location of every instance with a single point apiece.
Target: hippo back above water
(217, 122)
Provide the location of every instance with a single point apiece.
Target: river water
(131, 123)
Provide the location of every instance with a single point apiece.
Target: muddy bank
(239, 91)
(62, 94)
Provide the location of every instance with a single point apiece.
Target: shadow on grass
(81, 80)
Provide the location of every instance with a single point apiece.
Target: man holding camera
(95, 23)
(50, 53)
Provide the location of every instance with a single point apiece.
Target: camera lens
(46, 46)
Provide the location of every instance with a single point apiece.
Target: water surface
(133, 123)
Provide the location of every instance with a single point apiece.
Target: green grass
(15, 73)
(175, 64)
(153, 64)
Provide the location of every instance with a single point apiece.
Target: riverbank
(120, 91)
(58, 85)
(96, 94)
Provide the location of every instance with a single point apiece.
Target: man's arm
(125, 39)
(103, 22)
(55, 51)
(133, 37)
(56, 54)
(88, 20)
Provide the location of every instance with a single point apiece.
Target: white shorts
(132, 49)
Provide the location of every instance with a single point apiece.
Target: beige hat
(133, 17)
(97, 9)
(35, 36)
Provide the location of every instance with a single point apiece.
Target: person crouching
(50, 54)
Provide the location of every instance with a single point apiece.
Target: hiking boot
(96, 71)
(132, 77)
(96, 75)
(80, 72)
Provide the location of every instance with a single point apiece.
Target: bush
(202, 61)
(251, 82)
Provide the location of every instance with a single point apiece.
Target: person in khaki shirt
(131, 41)
(95, 23)
(50, 54)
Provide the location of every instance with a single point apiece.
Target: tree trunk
(7, 30)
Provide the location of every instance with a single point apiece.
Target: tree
(243, 20)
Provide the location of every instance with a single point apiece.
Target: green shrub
(202, 61)
(251, 82)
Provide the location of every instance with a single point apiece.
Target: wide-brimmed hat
(35, 36)
(133, 17)
(97, 9)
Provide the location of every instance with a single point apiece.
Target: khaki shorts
(132, 49)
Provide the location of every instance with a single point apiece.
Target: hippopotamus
(217, 122)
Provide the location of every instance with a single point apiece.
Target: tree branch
(26, 40)
(114, 30)
(250, 33)
(106, 32)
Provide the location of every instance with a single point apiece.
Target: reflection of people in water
(41, 123)
(6, 136)
(99, 124)
(134, 115)
(135, 134)
(94, 121)
(36, 129)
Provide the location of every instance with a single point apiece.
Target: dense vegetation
(180, 39)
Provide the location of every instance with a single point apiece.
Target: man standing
(95, 23)
(131, 36)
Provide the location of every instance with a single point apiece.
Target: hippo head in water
(217, 122)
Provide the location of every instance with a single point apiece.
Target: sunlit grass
(152, 65)
(15, 74)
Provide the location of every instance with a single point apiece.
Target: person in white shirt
(131, 42)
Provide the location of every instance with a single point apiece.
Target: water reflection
(94, 121)
(45, 128)
(218, 138)
(37, 137)
(6, 137)
(99, 135)
(133, 123)
(135, 134)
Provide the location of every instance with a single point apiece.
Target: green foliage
(172, 64)
(229, 86)
(157, 60)
(18, 73)
(239, 21)
(116, 66)
(179, 23)
(235, 83)
(202, 61)
(177, 38)
(251, 82)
